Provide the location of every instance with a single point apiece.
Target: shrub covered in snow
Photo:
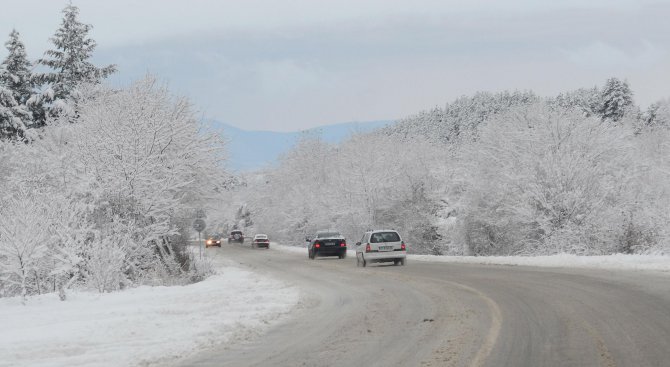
(101, 203)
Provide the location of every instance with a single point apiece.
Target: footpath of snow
(141, 326)
(612, 262)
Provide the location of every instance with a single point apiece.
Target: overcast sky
(289, 65)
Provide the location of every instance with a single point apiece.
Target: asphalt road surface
(436, 314)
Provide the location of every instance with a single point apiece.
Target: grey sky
(287, 65)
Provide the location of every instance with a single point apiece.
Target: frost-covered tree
(617, 99)
(460, 119)
(13, 116)
(113, 193)
(70, 63)
(15, 72)
(587, 100)
(658, 114)
(16, 88)
(24, 241)
(541, 181)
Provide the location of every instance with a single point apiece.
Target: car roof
(261, 235)
(382, 230)
(329, 232)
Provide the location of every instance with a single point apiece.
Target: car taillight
(317, 245)
(402, 246)
(367, 248)
(343, 244)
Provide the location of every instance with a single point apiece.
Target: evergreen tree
(70, 61)
(13, 116)
(15, 90)
(15, 73)
(617, 98)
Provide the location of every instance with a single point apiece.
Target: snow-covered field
(612, 262)
(140, 326)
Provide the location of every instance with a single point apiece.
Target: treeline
(508, 173)
(98, 186)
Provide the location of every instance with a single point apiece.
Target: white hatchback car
(381, 246)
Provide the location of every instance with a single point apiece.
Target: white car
(381, 246)
(261, 240)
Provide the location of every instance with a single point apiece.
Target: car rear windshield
(385, 237)
(261, 237)
(328, 235)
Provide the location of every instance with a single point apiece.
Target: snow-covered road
(142, 326)
(431, 313)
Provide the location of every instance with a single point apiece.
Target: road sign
(199, 225)
(200, 214)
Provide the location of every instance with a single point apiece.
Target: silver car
(381, 246)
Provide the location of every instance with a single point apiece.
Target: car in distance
(381, 246)
(327, 243)
(260, 240)
(213, 241)
(236, 236)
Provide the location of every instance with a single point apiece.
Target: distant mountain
(252, 150)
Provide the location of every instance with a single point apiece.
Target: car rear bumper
(384, 256)
(330, 251)
(261, 244)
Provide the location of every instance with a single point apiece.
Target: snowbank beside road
(140, 326)
(614, 262)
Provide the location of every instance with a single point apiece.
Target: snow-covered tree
(617, 99)
(24, 241)
(658, 114)
(587, 100)
(15, 72)
(541, 181)
(70, 63)
(150, 162)
(13, 116)
(16, 88)
(113, 192)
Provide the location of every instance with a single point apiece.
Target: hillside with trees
(507, 173)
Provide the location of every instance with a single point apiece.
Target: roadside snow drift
(140, 326)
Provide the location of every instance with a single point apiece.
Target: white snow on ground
(140, 326)
(613, 262)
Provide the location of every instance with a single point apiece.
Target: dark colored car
(260, 240)
(213, 241)
(236, 236)
(327, 243)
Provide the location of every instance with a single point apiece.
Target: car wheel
(402, 262)
(396, 262)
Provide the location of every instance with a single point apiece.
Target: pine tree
(15, 74)
(617, 99)
(16, 88)
(13, 116)
(70, 61)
